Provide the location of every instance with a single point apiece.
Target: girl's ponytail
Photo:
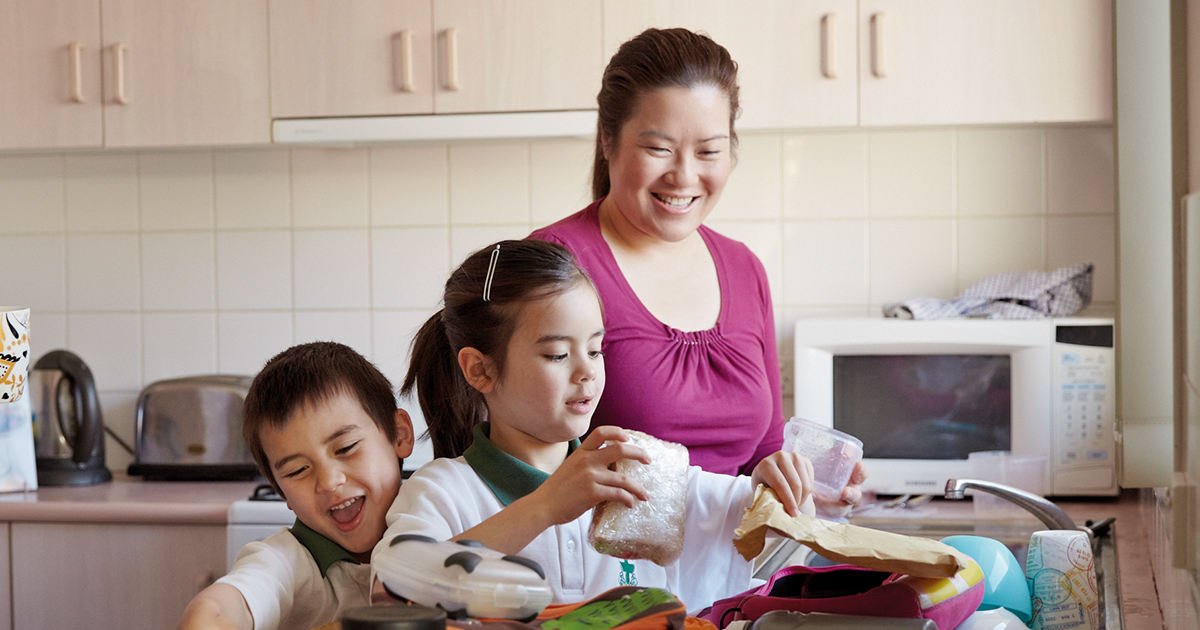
(451, 407)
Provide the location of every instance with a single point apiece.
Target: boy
(322, 423)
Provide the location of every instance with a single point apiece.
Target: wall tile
(489, 183)
(111, 345)
(103, 272)
(466, 240)
(1075, 240)
(352, 328)
(409, 266)
(825, 262)
(1080, 170)
(120, 415)
(178, 271)
(1000, 172)
(179, 344)
(254, 270)
(755, 186)
(102, 192)
(330, 188)
(47, 331)
(763, 238)
(35, 272)
(561, 178)
(911, 258)
(32, 194)
(245, 341)
(393, 332)
(911, 173)
(825, 175)
(253, 188)
(990, 246)
(176, 190)
(332, 269)
(410, 185)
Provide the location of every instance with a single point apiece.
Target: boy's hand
(584, 480)
(791, 477)
(851, 494)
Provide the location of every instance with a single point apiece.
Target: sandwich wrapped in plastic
(651, 529)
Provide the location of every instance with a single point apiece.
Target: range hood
(436, 127)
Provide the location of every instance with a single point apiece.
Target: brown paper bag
(845, 543)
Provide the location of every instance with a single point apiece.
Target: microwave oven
(922, 394)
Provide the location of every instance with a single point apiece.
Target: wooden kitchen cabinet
(797, 61)
(388, 57)
(128, 576)
(927, 62)
(185, 72)
(50, 74)
(180, 73)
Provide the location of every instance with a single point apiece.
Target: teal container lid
(1004, 584)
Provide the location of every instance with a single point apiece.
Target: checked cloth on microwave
(1014, 295)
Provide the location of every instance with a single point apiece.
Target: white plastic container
(832, 453)
(463, 578)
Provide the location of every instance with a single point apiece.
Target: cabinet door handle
(76, 72)
(877, 56)
(402, 61)
(828, 46)
(118, 53)
(452, 59)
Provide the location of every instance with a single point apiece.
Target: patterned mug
(14, 352)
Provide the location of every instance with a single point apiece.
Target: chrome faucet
(1052, 515)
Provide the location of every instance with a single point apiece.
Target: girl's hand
(791, 477)
(584, 480)
(851, 494)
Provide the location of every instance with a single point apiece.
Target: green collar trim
(324, 551)
(506, 476)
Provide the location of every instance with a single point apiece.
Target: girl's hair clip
(487, 282)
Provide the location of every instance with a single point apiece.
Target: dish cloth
(1013, 295)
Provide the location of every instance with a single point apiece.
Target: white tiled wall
(152, 265)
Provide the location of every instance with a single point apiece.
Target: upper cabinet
(186, 72)
(936, 62)
(836, 63)
(50, 74)
(385, 57)
(797, 61)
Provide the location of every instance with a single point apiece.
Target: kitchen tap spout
(1052, 515)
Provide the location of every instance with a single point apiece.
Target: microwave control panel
(1084, 413)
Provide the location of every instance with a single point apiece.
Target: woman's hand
(791, 477)
(851, 494)
(584, 480)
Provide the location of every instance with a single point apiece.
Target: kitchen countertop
(132, 500)
(127, 499)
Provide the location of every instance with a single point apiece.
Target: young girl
(508, 375)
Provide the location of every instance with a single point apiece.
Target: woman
(689, 328)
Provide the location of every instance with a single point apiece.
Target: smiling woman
(689, 327)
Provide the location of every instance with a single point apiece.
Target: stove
(248, 520)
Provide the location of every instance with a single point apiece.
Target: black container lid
(403, 617)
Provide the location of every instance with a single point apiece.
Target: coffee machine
(68, 428)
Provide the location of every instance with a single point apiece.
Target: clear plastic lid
(832, 453)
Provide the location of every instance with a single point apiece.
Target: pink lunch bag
(849, 590)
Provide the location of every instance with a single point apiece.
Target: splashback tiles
(157, 264)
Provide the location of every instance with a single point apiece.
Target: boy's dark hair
(656, 59)
(310, 374)
(522, 271)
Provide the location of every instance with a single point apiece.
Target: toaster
(191, 429)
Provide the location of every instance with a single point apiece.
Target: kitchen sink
(1014, 533)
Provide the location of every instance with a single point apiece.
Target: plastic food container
(463, 578)
(832, 453)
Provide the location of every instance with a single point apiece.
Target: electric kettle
(68, 429)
